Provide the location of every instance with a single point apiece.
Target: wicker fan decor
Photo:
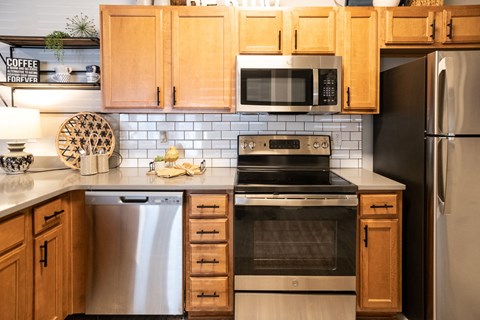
(74, 135)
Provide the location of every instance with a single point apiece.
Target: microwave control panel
(328, 82)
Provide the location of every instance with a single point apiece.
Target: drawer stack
(208, 258)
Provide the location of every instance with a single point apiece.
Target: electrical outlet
(337, 139)
(163, 137)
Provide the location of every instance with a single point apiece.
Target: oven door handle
(297, 200)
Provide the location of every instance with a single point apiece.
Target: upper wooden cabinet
(361, 59)
(131, 57)
(202, 59)
(288, 31)
(260, 31)
(313, 30)
(460, 25)
(167, 58)
(429, 27)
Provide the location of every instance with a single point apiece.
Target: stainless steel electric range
(294, 231)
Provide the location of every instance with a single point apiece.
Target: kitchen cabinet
(291, 31)
(202, 59)
(132, 57)
(313, 30)
(379, 253)
(429, 27)
(49, 266)
(209, 276)
(260, 31)
(360, 52)
(14, 275)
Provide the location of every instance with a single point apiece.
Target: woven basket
(425, 3)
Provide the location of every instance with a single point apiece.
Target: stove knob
(316, 144)
(244, 144)
(251, 145)
(325, 145)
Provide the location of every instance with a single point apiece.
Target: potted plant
(54, 42)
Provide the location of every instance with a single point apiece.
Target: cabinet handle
(366, 236)
(385, 206)
(208, 232)
(450, 29)
(45, 253)
(433, 30)
(203, 295)
(55, 213)
(158, 96)
(348, 96)
(202, 261)
(279, 39)
(295, 39)
(202, 206)
(174, 95)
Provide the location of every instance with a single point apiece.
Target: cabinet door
(412, 25)
(313, 31)
(202, 68)
(48, 275)
(13, 285)
(132, 57)
(461, 25)
(360, 60)
(260, 31)
(379, 265)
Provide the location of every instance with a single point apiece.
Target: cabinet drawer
(378, 204)
(48, 215)
(208, 205)
(208, 259)
(208, 230)
(208, 293)
(12, 232)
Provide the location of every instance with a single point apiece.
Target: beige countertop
(21, 191)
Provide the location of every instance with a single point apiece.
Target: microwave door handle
(315, 86)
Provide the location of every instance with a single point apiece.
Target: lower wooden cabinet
(209, 278)
(49, 270)
(14, 277)
(379, 273)
(41, 264)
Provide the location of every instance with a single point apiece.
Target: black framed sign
(23, 70)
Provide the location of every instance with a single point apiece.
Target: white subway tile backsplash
(213, 137)
(184, 126)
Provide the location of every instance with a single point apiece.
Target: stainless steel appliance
(298, 84)
(294, 231)
(135, 263)
(428, 137)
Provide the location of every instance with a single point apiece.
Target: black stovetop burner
(287, 164)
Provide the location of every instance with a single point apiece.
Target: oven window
(284, 240)
(292, 87)
(295, 244)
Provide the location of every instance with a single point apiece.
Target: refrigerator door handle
(446, 117)
(442, 173)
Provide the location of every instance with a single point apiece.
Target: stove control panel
(284, 145)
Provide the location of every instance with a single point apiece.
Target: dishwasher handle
(125, 199)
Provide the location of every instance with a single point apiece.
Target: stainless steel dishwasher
(134, 253)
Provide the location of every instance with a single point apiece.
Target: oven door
(295, 242)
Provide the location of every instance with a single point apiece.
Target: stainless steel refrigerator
(428, 137)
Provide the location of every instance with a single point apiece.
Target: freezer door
(456, 198)
(453, 93)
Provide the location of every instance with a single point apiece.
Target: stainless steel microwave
(288, 84)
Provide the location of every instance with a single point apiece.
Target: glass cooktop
(294, 181)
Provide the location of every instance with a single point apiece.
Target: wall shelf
(37, 42)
